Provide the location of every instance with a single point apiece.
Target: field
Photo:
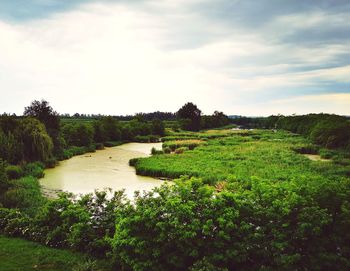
(17, 254)
(241, 155)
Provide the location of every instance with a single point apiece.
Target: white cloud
(117, 59)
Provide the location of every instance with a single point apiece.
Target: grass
(189, 143)
(17, 254)
(242, 155)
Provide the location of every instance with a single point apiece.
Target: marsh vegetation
(241, 199)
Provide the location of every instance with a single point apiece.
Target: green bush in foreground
(246, 225)
(250, 225)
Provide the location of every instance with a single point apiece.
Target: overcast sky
(121, 57)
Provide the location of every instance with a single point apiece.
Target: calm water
(104, 168)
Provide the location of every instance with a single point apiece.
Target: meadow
(241, 155)
(18, 254)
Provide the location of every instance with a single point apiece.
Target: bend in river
(107, 168)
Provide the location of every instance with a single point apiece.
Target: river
(107, 168)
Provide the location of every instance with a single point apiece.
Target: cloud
(115, 57)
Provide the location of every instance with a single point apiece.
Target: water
(108, 168)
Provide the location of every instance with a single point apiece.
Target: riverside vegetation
(240, 200)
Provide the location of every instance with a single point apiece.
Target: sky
(242, 57)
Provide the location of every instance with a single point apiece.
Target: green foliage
(166, 150)
(42, 111)
(24, 194)
(17, 254)
(3, 178)
(113, 143)
(146, 139)
(14, 172)
(74, 150)
(331, 134)
(248, 226)
(190, 117)
(190, 144)
(158, 127)
(154, 151)
(37, 143)
(181, 150)
(35, 169)
(78, 134)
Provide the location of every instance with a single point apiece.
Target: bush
(113, 143)
(154, 151)
(35, 169)
(13, 222)
(99, 146)
(167, 150)
(14, 172)
(24, 194)
(133, 161)
(327, 154)
(181, 150)
(51, 163)
(307, 149)
(190, 144)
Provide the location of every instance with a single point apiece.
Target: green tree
(37, 143)
(3, 177)
(190, 112)
(158, 127)
(45, 113)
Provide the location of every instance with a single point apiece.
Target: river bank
(107, 168)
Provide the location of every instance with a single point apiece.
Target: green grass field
(21, 255)
(242, 155)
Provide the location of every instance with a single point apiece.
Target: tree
(42, 111)
(37, 143)
(158, 127)
(190, 112)
(3, 177)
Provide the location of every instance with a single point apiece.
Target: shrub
(133, 161)
(154, 151)
(327, 154)
(24, 194)
(99, 146)
(51, 163)
(35, 169)
(13, 222)
(14, 172)
(167, 150)
(307, 149)
(181, 150)
(190, 144)
(113, 143)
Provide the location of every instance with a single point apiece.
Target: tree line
(328, 130)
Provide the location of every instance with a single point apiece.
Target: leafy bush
(24, 194)
(327, 154)
(51, 163)
(13, 222)
(167, 150)
(306, 149)
(4, 184)
(99, 146)
(35, 169)
(14, 172)
(189, 225)
(154, 151)
(190, 144)
(113, 143)
(181, 150)
(133, 161)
